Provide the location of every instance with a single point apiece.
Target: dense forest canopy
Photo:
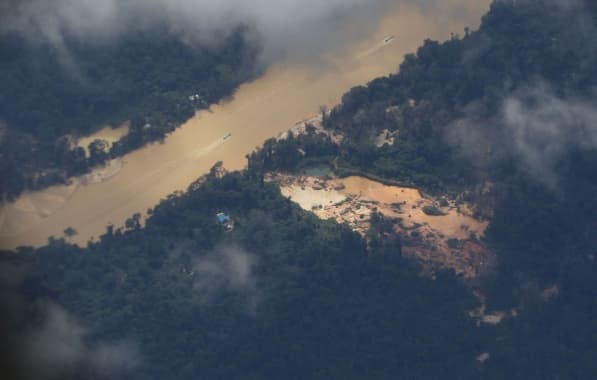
(509, 107)
(285, 295)
(281, 296)
(69, 68)
(531, 53)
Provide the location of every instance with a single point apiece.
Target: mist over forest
(230, 279)
(72, 67)
(279, 27)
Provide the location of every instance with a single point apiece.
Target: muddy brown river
(284, 95)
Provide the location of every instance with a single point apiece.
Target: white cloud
(534, 125)
(544, 127)
(60, 347)
(282, 25)
(226, 269)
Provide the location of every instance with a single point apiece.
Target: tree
(70, 232)
(134, 222)
(98, 151)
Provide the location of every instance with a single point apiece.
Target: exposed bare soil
(450, 240)
(300, 128)
(287, 92)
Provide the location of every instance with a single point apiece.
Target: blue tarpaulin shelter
(223, 218)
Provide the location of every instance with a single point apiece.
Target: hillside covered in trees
(505, 117)
(503, 114)
(283, 295)
(50, 96)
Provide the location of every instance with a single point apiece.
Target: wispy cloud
(283, 26)
(228, 268)
(60, 347)
(544, 127)
(534, 125)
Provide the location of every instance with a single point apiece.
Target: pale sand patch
(300, 128)
(309, 198)
(109, 134)
(259, 110)
(385, 137)
(352, 200)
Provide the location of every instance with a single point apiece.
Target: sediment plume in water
(264, 108)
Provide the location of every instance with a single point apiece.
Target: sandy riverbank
(259, 110)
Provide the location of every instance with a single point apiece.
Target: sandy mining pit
(449, 240)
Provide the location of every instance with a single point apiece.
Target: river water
(284, 95)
